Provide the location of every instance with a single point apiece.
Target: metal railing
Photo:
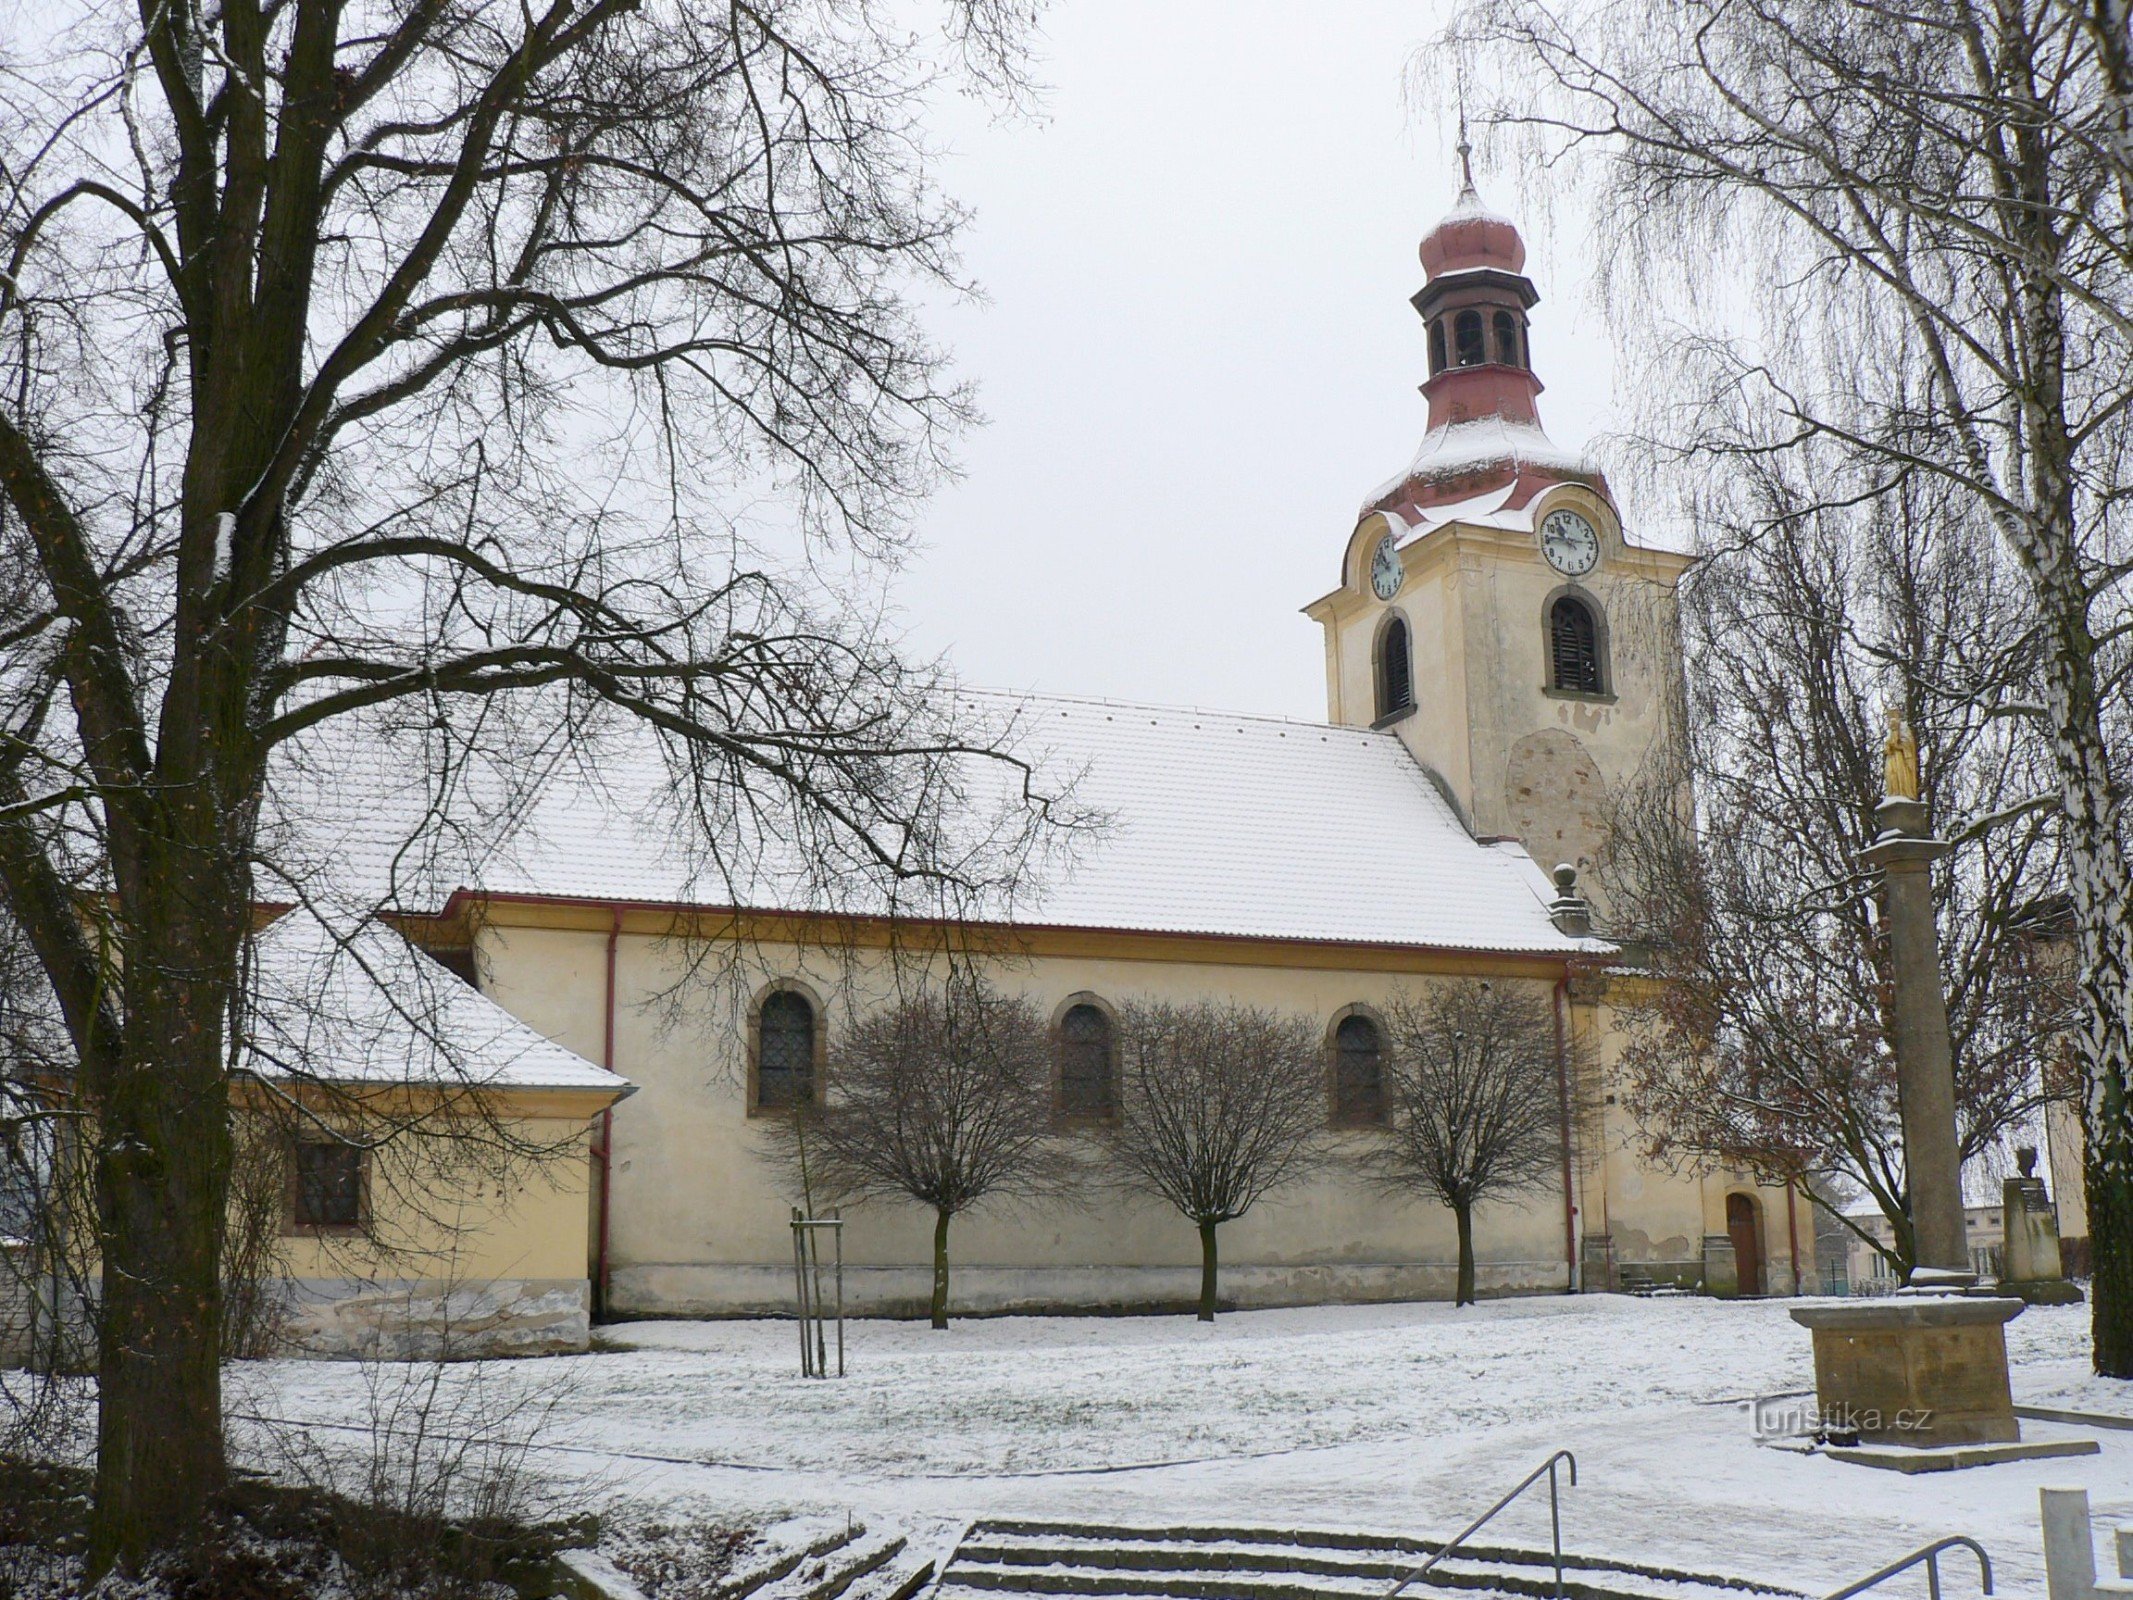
(1930, 1555)
(1555, 1526)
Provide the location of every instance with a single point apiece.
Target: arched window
(1436, 347)
(1088, 1077)
(1573, 646)
(1358, 1072)
(784, 1052)
(1507, 340)
(1466, 336)
(1396, 672)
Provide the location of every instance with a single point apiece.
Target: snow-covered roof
(1460, 447)
(360, 1005)
(1211, 823)
(1258, 826)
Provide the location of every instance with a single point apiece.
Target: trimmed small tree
(1219, 1105)
(941, 1098)
(1474, 1102)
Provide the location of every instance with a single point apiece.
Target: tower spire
(1465, 148)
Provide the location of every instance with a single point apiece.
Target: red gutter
(462, 896)
(604, 1150)
(1562, 1078)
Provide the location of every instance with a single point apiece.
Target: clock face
(1569, 543)
(1386, 573)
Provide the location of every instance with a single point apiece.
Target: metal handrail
(1930, 1555)
(1555, 1525)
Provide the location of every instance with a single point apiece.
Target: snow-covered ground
(1402, 1418)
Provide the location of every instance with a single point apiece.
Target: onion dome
(1471, 236)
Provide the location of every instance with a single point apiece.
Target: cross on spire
(1465, 148)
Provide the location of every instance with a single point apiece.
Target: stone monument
(2029, 1232)
(1924, 1370)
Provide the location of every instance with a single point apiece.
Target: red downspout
(604, 1150)
(1792, 1231)
(1562, 1078)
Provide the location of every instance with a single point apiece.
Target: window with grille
(1574, 646)
(784, 1052)
(1358, 1071)
(1507, 340)
(326, 1189)
(1467, 337)
(1088, 1081)
(1396, 679)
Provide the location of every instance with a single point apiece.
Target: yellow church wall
(458, 1254)
(461, 1254)
(435, 1217)
(1643, 1221)
(1520, 760)
(699, 1209)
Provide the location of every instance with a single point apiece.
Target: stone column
(1925, 1067)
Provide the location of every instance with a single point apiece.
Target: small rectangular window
(326, 1185)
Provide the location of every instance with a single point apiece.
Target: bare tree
(1769, 1046)
(1220, 1104)
(943, 1098)
(400, 365)
(1931, 209)
(1473, 1100)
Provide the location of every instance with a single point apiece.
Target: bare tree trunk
(940, 1268)
(1207, 1270)
(162, 1176)
(1463, 1295)
(2100, 877)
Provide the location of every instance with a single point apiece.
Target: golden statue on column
(1899, 758)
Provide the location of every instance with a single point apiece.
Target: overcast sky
(1197, 356)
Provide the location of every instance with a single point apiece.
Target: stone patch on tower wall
(1556, 799)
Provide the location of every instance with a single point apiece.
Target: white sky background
(1197, 356)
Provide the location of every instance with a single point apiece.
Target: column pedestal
(1923, 1371)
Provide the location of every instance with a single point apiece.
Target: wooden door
(1744, 1225)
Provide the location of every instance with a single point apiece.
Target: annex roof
(1212, 823)
(360, 1005)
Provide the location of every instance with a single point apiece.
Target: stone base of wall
(745, 1289)
(418, 1319)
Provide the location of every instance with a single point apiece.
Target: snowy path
(1391, 1418)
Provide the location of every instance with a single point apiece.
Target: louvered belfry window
(1358, 1071)
(1507, 340)
(1469, 340)
(1574, 646)
(1396, 676)
(785, 1052)
(1088, 1087)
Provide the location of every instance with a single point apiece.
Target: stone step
(1364, 1560)
(758, 1580)
(1240, 1563)
(855, 1561)
(1186, 1583)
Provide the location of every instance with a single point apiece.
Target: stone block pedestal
(1920, 1370)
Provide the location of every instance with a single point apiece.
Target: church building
(1502, 664)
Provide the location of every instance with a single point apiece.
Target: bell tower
(1491, 610)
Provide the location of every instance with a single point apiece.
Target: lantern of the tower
(1484, 419)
